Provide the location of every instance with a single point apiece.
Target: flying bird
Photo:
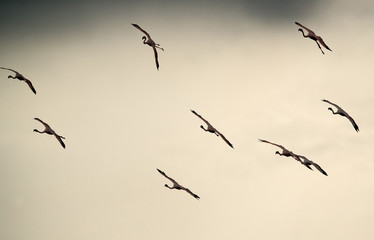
(285, 152)
(176, 185)
(343, 113)
(21, 78)
(310, 34)
(148, 40)
(50, 131)
(308, 162)
(211, 129)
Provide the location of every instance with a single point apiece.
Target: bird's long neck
(301, 30)
(204, 128)
(144, 40)
(332, 111)
(168, 186)
(11, 77)
(36, 130)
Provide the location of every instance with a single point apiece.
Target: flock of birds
(284, 152)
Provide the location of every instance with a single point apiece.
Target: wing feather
(164, 174)
(156, 56)
(45, 124)
(200, 117)
(304, 27)
(265, 141)
(9, 69)
(137, 26)
(30, 85)
(60, 140)
(224, 139)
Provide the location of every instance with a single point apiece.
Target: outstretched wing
(60, 140)
(156, 56)
(45, 124)
(200, 117)
(352, 121)
(137, 26)
(224, 139)
(163, 174)
(304, 27)
(30, 85)
(261, 140)
(193, 194)
(335, 105)
(323, 43)
(9, 69)
(319, 168)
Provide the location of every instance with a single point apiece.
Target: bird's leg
(216, 134)
(320, 47)
(157, 46)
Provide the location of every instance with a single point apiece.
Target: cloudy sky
(240, 64)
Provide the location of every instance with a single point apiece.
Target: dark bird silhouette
(308, 162)
(49, 130)
(21, 78)
(211, 129)
(343, 113)
(148, 40)
(310, 34)
(176, 185)
(285, 152)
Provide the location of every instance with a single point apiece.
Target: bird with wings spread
(343, 113)
(21, 78)
(211, 129)
(285, 152)
(50, 131)
(176, 185)
(148, 40)
(310, 34)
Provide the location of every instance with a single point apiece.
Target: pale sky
(240, 64)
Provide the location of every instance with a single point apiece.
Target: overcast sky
(240, 64)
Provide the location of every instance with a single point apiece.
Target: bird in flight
(308, 162)
(310, 34)
(148, 40)
(285, 152)
(343, 113)
(21, 78)
(50, 131)
(211, 129)
(176, 185)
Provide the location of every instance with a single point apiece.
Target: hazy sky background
(240, 64)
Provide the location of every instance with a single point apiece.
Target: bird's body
(176, 185)
(343, 113)
(21, 78)
(308, 163)
(310, 34)
(148, 40)
(48, 130)
(211, 129)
